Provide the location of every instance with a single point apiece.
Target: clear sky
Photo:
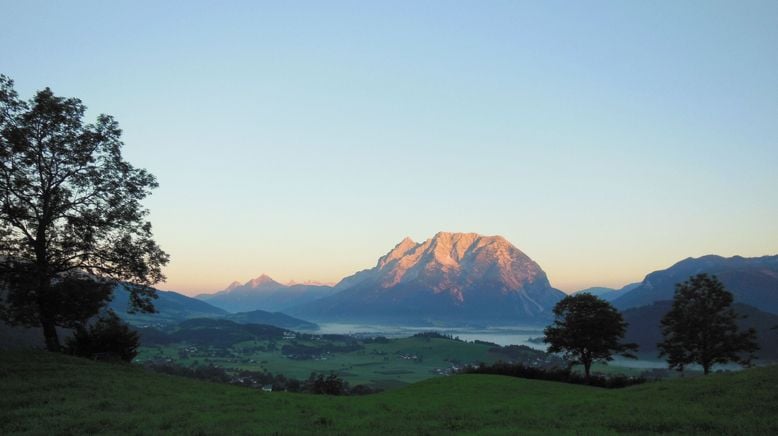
(305, 139)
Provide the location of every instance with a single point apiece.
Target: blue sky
(305, 139)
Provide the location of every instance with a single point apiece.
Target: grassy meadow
(54, 394)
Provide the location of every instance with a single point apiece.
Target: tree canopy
(702, 327)
(71, 220)
(587, 329)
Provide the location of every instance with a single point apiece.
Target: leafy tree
(701, 327)
(71, 221)
(329, 385)
(587, 329)
(107, 336)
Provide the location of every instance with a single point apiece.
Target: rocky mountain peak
(448, 276)
(454, 260)
(399, 250)
(262, 280)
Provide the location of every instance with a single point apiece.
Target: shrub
(108, 338)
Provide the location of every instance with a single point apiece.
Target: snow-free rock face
(454, 278)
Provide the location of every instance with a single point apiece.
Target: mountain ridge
(264, 293)
(751, 280)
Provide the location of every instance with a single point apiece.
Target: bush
(108, 338)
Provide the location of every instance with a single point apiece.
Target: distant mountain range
(608, 294)
(451, 278)
(752, 281)
(264, 293)
(461, 279)
(470, 279)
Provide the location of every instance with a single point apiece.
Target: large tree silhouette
(71, 221)
(587, 329)
(702, 327)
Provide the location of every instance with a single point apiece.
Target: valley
(466, 292)
(376, 361)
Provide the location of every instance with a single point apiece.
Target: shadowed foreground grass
(42, 393)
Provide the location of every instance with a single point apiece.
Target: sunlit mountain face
(453, 278)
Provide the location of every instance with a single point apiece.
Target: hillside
(451, 279)
(752, 281)
(171, 307)
(276, 319)
(92, 397)
(645, 328)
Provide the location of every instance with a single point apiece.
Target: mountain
(264, 293)
(172, 307)
(276, 319)
(607, 294)
(452, 278)
(752, 281)
(644, 328)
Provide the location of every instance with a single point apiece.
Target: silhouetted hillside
(645, 328)
(172, 307)
(752, 281)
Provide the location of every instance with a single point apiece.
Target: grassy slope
(51, 394)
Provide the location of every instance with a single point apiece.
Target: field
(54, 394)
(378, 362)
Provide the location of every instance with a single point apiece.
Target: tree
(329, 385)
(587, 329)
(71, 222)
(701, 327)
(107, 336)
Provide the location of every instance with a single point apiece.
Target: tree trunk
(44, 310)
(706, 368)
(50, 335)
(587, 368)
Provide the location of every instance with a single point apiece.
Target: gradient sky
(305, 139)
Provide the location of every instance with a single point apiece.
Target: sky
(304, 140)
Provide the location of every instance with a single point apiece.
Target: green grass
(44, 393)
